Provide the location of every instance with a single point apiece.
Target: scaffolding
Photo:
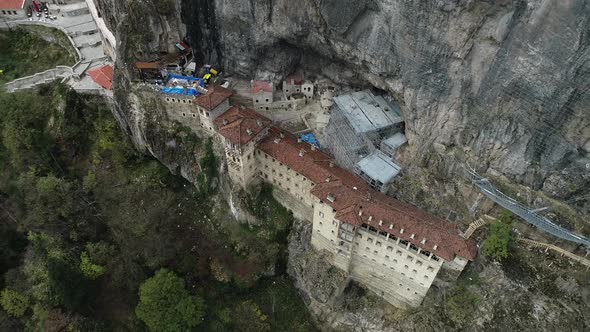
(358, 123)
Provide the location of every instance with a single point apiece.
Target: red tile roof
(258, 86)
(353, 195)
(12, 4)
(240, 125)
(103, 76)
(214, 97)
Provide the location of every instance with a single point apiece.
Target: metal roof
(367, 112)
(12, 4)
(379, 167)
(395, 141)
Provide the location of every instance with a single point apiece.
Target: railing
(528, 214)
(564, 252)
(38, 78)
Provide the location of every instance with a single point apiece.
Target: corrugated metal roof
(367, 112)
(379, 167)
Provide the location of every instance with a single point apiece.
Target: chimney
(370, 218)
(281, 134)
(390, 226)
(332, 165)
(380, 222)
(354, 188)
(301, 153)
(259, 123)
(423, 241)
(331, 198)
(360, 212)
(401, 231)
(225, 122)
(249, 131)
(277, 140)
(435, 246)
(313, 147)
(412, 236)
(298, 139)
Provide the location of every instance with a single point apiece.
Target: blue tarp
(310, 138)
(180, 81)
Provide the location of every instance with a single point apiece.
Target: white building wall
(109, 40)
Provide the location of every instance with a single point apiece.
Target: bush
(460, 305)
(166, 305)
(14, 303)
(497, 243)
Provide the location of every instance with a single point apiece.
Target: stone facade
(392, 248)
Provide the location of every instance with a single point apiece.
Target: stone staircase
(77, 22)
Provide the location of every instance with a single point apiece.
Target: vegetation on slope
(23, 52)
(86, 223)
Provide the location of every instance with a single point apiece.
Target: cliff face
(497, 83)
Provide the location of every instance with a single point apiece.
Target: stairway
(555, 248)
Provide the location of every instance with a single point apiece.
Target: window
(370, 240)
(425, 277)
(419, 262)
(256, 100)
(3, 12)
(399, 252)
(378, 244)
(367, 248)
(405, 267)
(430, 268)
(389, 248)
(386, 257)
(395, 261)
(414, 271)
(410, 258)
(375, 252)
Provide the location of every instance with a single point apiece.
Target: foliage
(90, 270)
(461, 304)
(89, 182)
(73, 182)
(166, 305)
(497, 243)
(248, 317)
(23, 53)
(14, 302)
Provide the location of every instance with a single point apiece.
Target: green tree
(14, 303)
(166, 305)
(90, 270)
(461, 304)
(497, 243)
(249, 318)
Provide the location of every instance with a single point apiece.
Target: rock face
(502, 84)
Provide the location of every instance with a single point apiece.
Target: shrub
(497, 243)
(166, 305)
(14, 303)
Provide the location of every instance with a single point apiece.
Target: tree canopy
(166, 305)
(497, 243)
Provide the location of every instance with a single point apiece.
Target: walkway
(557, 249)
(528, 214)
(77, 22)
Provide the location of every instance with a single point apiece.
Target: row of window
(9, 12)
(406, 268)
(409, 258)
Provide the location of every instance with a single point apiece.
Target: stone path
(78, 23)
